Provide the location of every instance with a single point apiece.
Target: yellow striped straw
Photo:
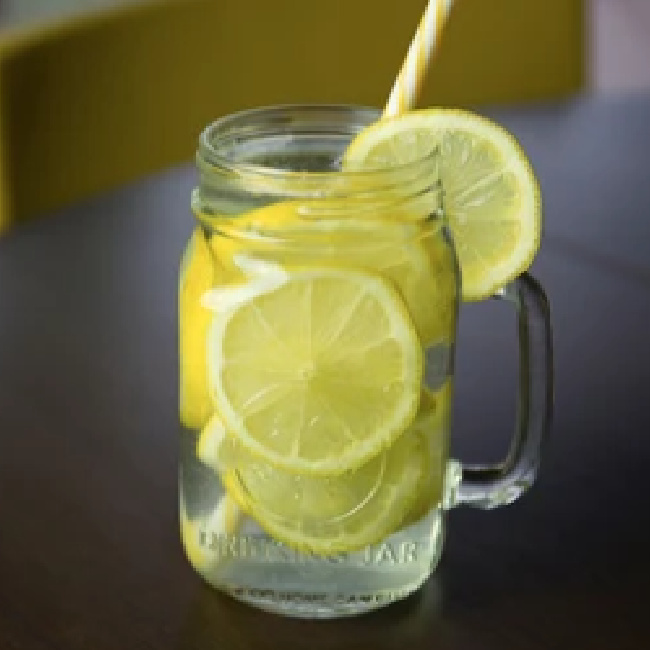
(410, 78)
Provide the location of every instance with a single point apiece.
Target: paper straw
(410, 78)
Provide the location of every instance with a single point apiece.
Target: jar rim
(318, 119)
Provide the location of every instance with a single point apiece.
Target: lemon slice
(491, 196)
(318, 372)
(197, 275)
(413, 256)
(432, 424)
(322, 515)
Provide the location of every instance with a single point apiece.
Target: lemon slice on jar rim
(491, 195)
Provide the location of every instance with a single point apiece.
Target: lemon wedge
(197, 276)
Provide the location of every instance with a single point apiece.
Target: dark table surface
(89, 544)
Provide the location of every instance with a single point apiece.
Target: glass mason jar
(317, 324)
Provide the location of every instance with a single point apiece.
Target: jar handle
(490, 486)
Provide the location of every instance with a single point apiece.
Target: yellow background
(93, 102)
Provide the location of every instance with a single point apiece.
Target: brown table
(89, 546)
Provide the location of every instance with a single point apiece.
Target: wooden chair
(92, 102)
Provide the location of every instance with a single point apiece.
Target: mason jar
(317, 323)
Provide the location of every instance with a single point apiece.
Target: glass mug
(317, 324)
